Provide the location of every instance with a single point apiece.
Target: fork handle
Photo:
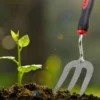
(84, 19)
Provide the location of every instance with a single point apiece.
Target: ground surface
(35, 92)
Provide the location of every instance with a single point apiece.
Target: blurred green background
(51, 26)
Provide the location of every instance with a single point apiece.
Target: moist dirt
(33, 91)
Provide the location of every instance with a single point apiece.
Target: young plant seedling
(22, 42)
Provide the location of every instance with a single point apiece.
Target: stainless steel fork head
(79, 66)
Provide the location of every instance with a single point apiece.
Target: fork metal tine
(86, 64)
(64, 75)
(75, 77)
(88, 76)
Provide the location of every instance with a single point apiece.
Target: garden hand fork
(80, 63)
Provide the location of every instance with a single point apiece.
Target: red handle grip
(85, 14)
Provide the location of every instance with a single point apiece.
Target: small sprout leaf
(14, 35)
(28, 68)
(24, 41)
(18, 34)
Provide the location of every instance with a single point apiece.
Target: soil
(33, 91)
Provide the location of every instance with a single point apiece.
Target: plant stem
(20, 75)
(19, 56)
(19, 65)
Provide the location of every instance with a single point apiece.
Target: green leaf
(24, 41)
(7, 57)
(14, 35)
(28, 68)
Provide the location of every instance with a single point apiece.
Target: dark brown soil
(36, 92)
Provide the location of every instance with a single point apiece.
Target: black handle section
(85, 14)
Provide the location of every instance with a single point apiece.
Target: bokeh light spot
(54, 65)
(8, 43)
(60, 36)
(53, 61)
